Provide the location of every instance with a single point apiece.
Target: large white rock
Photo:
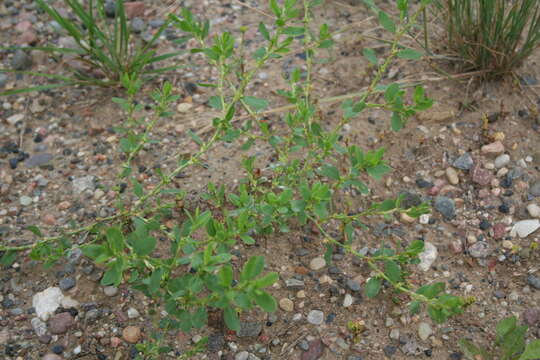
(46, 302)
(524, 228)
(428, 256)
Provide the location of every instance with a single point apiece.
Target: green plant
(105, 51)
(305, 186)
(492, 36)
(509, 344)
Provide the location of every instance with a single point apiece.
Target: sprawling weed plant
(509, 344)
(492, 36)
(303, 187)
(105, 50)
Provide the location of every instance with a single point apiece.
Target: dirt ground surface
(476, 152)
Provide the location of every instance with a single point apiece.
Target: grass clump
(492, 36)
(105, 50)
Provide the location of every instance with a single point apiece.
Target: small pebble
(317, 263)
(502, 160)
(131, 334)
(315, 317)
(110, 290)
(286, 305)
(452, 176)
(534, 210)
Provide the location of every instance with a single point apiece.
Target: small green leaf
(248, 240)
(378, 171)
(35, 230)
(252, 268)
(195, 137)
(504, 327)
(532, 351)
(392, 270)
(113, 276)
(215, 102)
(266, 280)
(231, 319)
(431, 291)
(8, 258)
(265, 301)
(409, 54)
(329, 171)
(471, 351)
(137, 188)
(387, 22)
(154, 281)
(436, 314)
(256, 104)
(93, 250)
(391, 92)
(396, 122)
(115, 238)
(370, 55)
(226, 275)
(293, 31)
(373, 286)
(199, 318)
(144, 245)
(264, 31)
(414, 307)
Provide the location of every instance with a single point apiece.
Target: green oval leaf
(373, 286)
(265, 301)
(231, 319)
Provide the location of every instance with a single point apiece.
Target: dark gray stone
(67, 283)
(445, 206)
(137, 25)
(215, 342)
(534, 281)
(535, 189)
(38, 160)
(249, 329)
(110, 8)
(21, 61)
(353, 285)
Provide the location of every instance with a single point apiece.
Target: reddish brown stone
(314, 351)
(23, 26)
(60, 323)
(27, 38)
(134, 9)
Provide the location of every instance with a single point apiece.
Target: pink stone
(496, 147)
(27, 38)
(23, 26)
(314, 351)
(134, 9)
(499, 230)
(483, 193)
(481, 176)
(48, 219)
(456, 246)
